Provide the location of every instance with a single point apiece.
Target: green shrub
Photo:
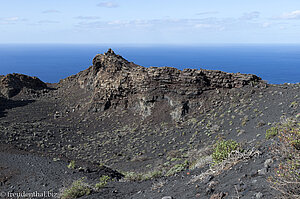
(286, 177)
(177, 168)
(222, 149)
(132, 176)
(76, 190)
(71, 165)
(271, 132)
(103, 181)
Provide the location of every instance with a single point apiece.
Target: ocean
(276, 64)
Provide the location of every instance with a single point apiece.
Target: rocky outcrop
(113, 82)
(12, 84)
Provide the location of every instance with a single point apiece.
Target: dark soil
(39, 137)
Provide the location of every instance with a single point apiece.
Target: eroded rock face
(12, 84)
(113, 82)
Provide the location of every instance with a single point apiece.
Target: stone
(268, 163)
(253, 173)
(218, 195)
(167, 197)
(209, 190)
(259, 195)
(57, 115)
(262, 171)
(208, 179)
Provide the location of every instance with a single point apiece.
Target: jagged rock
(12, 84)
(113, 82)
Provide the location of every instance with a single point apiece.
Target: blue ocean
(276, 64)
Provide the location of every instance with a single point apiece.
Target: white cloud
(11, 20)
(210, 26)
(151, 24)
(47, 22)
(290, 15)
(250, 15)
(50, 11)
(207, 13)
(87, 17)
(108, 4)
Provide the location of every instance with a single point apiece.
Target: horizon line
(150, 44)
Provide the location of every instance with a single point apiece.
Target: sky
(150, 21)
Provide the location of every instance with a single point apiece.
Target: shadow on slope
(6, 104)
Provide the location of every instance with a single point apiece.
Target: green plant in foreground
(222, 149)
(132, 176)
(103, 181)
(77, 189)
(177, 168)
(271, 132)
(71, 165)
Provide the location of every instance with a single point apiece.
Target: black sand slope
(150, 132)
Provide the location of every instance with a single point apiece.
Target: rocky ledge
(12, 84)
(113, 82)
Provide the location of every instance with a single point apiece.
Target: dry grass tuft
(233, 158)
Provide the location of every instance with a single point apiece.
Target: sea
(277, 64)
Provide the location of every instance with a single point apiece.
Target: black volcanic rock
(12, 84)
(93, 120)
(113, 82)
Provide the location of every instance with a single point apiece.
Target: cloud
(250, 15)
(207, 13)
(11, 20)
(159, 24)
(47, 22)
(50, 11)
(87, 17)
(108, 4)
(290, 15)
(210, 26)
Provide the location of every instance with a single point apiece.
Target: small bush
(222, 149)
(286, 177)
(177, 168)
(132, 176)
(103, 181)
(71, 165)
(271, 132)
(76, 190)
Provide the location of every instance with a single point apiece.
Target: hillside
(148, 133)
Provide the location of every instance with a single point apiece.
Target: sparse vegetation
(245, 120)
(294, 104)
(177, 168)
(78, 189)
(102, 182)
(133, 176)
(222, 149)
(286, 177)
(271, 132)
(71, 164)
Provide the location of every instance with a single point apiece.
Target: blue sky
(150, 22)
